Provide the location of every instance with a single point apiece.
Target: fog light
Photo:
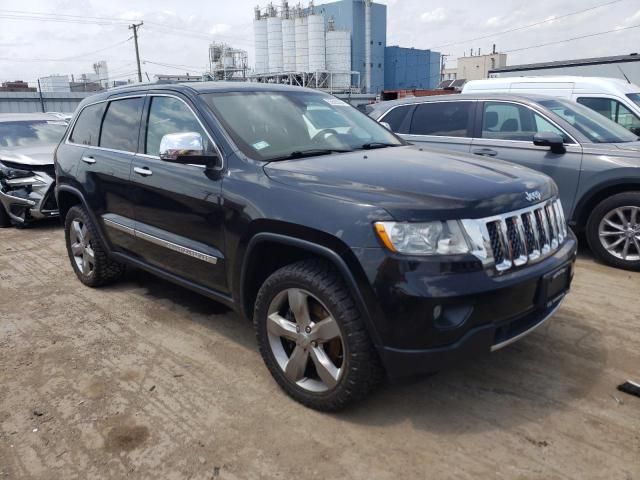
(451, 316)
(437, 311)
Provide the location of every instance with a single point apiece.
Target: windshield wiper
(372, 145)
(312, 152)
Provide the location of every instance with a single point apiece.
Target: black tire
(5, 220)
(627, 199)
(104, 270)
(360, 367)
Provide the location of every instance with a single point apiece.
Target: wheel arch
(597, 194)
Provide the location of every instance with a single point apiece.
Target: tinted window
(120, 125)
(396, 118)
(87, 128)
(508, 121)
(30, 133)
(170, 115)
(613, 110)
(450, 119)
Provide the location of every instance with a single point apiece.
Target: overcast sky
(178, 32)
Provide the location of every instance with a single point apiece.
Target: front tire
(613, 231)
(312, 337)
(86, 251)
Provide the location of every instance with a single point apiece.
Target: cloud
(633, 19)
(437, 15)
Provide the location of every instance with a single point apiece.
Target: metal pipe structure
(367, 46)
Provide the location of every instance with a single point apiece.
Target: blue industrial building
(349, 15)
(410, 68)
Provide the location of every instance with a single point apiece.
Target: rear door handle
(485, 152)
(88, 159)
(145, 172)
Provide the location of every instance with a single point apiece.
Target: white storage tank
(260, 44)
(339, 58)
(317, 43)
(288, 44)
(274, 43)
(302, 44)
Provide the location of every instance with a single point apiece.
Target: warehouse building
(339, 46)
(624, 67)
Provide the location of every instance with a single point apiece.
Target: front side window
(87, 128)
(396, 119)
(171, 115)
(613, 110)
(588, 122)
(443, 119)
(121, 125)
(509, 121)
(274, 125)
(30, 133)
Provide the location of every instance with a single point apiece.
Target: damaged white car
(27, 174)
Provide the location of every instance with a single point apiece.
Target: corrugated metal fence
(29, 102)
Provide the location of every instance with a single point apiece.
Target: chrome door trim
(119, 226)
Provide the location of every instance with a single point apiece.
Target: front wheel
(613, 230)
(312, 337)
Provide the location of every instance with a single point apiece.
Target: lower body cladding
(432, 315)
(28, 198)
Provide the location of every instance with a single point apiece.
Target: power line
(552, 19)
(63, 16)
(173, 65)
(72, 58)
(571, 39)
(58, 20)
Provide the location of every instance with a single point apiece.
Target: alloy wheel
(81, 247)
(619, 233)
(305, 340)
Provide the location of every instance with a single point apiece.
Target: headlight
(431, 238)
(23, 181)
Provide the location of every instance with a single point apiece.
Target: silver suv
(594, 161)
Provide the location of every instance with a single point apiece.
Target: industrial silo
(339, 58)
(274, 42)
(302, 44)
(260, 43)
(288, 44)
(317, 43)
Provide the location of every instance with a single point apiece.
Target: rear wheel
(312, 337)
(613, 231)
(88, 255)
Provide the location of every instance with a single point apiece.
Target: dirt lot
(147, 380)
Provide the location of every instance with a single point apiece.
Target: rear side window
(396, 119)
(444, 119)
(87, 128)
(121, 125)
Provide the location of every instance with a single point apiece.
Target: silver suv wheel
(81, 248)
(305, 340)
(619, 232)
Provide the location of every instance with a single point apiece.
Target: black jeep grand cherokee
(353, 252)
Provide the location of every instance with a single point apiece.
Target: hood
(413, 184)
(33, 155)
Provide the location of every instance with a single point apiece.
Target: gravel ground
(148, 380)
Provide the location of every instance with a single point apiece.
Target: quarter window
(87, 128)
(121, 123)
(444, 119)
(613, 110)
(170, 115)
(396, 119)
(508, 121)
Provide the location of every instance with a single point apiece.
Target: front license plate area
(554, 286)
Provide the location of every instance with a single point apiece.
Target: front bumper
(433, 316)
(30, 202)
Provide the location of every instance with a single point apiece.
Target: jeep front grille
(517, 238)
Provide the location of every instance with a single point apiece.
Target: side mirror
(186, 148)
(386, 125)
(550, 139)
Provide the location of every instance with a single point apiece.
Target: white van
(616, 99)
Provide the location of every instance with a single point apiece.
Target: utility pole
(135, 27)
(40, 94)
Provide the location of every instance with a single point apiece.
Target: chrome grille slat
(517, 238)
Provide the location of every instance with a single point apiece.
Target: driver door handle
(485, 152)
(88, 159)
(145, 172)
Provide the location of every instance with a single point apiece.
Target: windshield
(31, 133)
(634, 97)
(277, 125)
(590, 123)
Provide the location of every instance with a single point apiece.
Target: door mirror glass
(550, 139)
(386, 125)
(185, 148)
